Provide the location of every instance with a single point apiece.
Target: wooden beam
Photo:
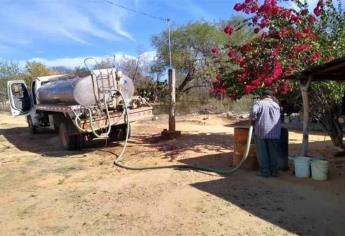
(304, 86)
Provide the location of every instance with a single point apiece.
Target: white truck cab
(22, 102)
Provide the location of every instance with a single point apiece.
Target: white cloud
(148, 56)
(71, 36)
(26, 21)
(72, 62)
(122, 32)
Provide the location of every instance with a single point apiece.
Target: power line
(167, 20)
(138, 12)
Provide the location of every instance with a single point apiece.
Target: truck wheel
(118, 132)
(68, 142)
(32, 127)
(79, 140)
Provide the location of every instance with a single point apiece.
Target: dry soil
(48, 191)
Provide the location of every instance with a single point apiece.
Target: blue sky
(62, 32)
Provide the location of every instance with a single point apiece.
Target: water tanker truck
(79, 108)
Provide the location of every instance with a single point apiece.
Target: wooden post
(304, 86)
(172, 93)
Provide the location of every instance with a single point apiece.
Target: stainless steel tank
(79, 91)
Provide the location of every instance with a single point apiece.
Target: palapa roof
(332, 70)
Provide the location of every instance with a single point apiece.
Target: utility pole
(172, 104)
(171, 133)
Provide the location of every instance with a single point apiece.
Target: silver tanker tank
(79, 91)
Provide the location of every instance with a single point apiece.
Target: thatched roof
(333, 70)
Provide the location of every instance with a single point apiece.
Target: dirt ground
(47, 191)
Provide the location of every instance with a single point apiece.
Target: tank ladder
(105, 83)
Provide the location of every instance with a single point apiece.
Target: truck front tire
(32, 127)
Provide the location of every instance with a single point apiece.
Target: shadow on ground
(298, 209)
(47, 142)
(198, 143)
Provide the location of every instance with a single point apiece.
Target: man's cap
(268, 92)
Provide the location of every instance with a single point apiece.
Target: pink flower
(263, 23)
(232, 53)
(268, 81)
(277, 71)
(248, 88)
(295, 18)
(239, 60)
(304, 12)
(215, 50)
(316, 55)
(218, 77)
(301, 47)
(256, 82)
(298, 35)
(264, 35)
(311, 19)
(275, 10)
(255, 19)
(285, 87)
(221, 90)
(238, 7)
(228, 29)
(287, 13)
(317, 10)
(274, 52)
(306, 30)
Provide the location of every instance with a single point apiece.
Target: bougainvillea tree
(290, 38)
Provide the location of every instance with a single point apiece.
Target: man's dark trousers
(268, 151)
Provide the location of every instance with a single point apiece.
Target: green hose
(120, 157)
(109, 124)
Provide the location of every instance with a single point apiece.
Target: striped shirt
(266, 114)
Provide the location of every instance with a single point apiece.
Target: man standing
(266, 117)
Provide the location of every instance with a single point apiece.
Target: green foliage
(35, 69)
(11, 71)
(191, 51)
(8, 71)
(152, 90)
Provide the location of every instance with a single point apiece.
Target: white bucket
(302, 167)
(319, 169)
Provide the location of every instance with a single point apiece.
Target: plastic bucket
(317, 158)
(319, 169)
(302, 167)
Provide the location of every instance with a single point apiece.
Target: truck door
(19, 97)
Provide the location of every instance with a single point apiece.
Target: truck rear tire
(79, 140)
(118, 132)
(69, 142)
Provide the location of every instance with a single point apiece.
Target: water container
(319, 169)
(240, 141)
(302, 167)
(284, 145)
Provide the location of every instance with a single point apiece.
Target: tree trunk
(304, 86)
(189, 77)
